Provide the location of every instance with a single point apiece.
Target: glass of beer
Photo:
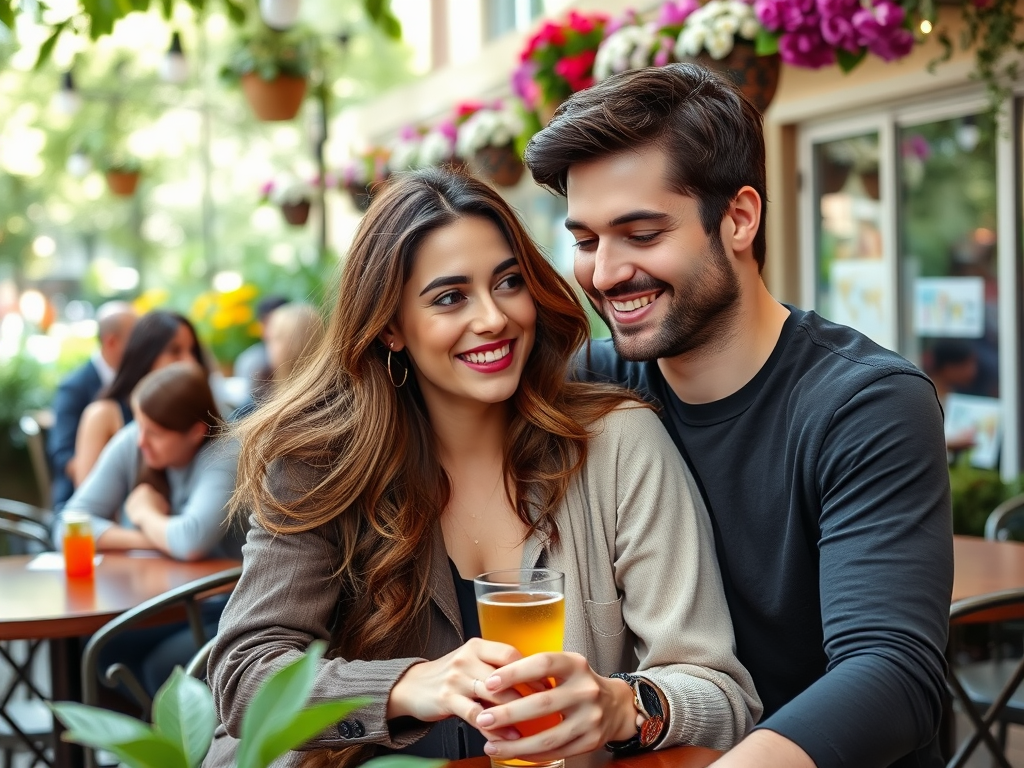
(524, 609)
(79, 547)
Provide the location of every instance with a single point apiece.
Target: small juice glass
(79, 547)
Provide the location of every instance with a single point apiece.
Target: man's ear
(741, 221)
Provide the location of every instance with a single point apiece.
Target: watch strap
(648, 705)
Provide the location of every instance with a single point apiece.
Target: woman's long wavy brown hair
(339, 445)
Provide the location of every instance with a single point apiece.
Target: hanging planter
(502, 165)
(756, 76)
(277, 99)
(122, 182)
(280, 14)
(296, 214)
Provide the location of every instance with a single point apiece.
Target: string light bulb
(174, 66)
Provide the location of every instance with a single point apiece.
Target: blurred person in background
(158, 339)
(953, 369)
(291, 331)
(163, 482)
(115, 321)
(253, 364)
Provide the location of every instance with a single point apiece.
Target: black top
(474, 740)
(826, 480)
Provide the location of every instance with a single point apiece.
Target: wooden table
(982, 567)
(46, 605)
(674, 757)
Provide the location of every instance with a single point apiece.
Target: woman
(166, 471)
(292, 331)
(435, 437)
(159, 338)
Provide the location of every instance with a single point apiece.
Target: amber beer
(525, 609)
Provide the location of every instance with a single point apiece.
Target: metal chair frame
(958, 612)
(34, 426)
(187, 596)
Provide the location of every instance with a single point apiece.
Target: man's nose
(609, 269)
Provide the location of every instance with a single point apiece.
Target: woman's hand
(144, 501)
(452, 685)
(594, 709)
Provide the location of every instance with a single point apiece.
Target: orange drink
(524, 609)
(79, 547)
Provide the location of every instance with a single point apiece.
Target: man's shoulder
(83, 377)
(598, 361)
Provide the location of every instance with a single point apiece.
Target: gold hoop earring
(405, 374)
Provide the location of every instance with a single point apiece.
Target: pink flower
(629, 18)
(524, 86)
(805, 49)
(663, 55)
(577, 70)
(675, 12)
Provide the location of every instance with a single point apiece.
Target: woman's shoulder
(629, 419)
(103, 413)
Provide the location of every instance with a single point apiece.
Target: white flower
(289, 190)
(489, 128)
(435, 148)
(629, 47)
(404, 154)
(714, 26)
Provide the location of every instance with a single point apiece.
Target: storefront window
(851, 282)
(949, 267)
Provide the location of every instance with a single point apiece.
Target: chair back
(187, 597)
(34, 426)
(1006, 521)
(28, 525)
(196, 666)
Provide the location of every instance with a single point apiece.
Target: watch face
(650, 730)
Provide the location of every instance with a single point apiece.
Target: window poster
(952, 307)
(859, 298)
(978, 415)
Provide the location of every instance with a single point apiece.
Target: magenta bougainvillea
(558, 59)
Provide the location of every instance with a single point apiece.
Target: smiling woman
(437, 437)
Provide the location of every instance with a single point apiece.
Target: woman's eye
(511, 281)
(449, 299)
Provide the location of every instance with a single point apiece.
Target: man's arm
(885, 581)
(68, 403)
(765, 749)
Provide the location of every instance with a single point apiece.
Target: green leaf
(304, 726)
(167, 9)
(279, 699)
(847, 61)
(391, 26)
(375, 8)
(236, 11)
(7, 14)
(134, 742)
(402, 761)
(183, 712)
(46, 49)
(766, 42)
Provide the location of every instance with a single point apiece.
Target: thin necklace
(454, 518)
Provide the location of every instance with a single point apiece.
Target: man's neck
(725, 366)
(103, 367)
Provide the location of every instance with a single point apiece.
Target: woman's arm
(101, 420)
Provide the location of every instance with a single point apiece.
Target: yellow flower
(202, 305)
(221, 320)
(240, 295)
(150, 300)
(242, 315)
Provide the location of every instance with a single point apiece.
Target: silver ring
(475, 681)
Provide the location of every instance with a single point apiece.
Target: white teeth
(629, 306)
(487, 357)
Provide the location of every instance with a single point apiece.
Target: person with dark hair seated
(159, 338)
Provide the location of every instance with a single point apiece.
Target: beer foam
(545, 598)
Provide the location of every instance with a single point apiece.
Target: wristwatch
(650, 715)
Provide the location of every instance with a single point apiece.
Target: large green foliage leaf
(402, 761)
(7, 14)
(300, 729)
(132, 741)
(183, 712)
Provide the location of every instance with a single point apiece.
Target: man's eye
(585, 245)
(646, 238)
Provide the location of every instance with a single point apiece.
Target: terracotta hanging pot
(502, 165)
(123, 183)
(296, 214)
(756, 76)
(277, 99)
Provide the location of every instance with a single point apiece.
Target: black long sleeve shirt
(826, 481)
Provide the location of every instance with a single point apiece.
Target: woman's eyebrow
(442, 282)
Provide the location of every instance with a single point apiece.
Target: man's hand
(765, 749)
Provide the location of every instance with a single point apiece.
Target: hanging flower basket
(756, 76)
(122, 183)
(277, 99)
(296, 214)
(502, 165)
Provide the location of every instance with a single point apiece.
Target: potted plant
(362, 173)
(558, 60)
(272, 67)
(488, 135)
(226, 322)
(292, 195)
(632, 44)
(277, 720)
(722, 35)
(122, 173)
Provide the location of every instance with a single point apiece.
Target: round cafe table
(674, 757)
(43, 604)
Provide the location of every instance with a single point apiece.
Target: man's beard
(699, 311)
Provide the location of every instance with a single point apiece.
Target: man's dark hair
(711, 134)
(268, 304)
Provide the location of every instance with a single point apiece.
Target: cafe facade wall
(812, 109)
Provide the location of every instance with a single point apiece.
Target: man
(115, 320)
(252, 364)
(819, 454)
